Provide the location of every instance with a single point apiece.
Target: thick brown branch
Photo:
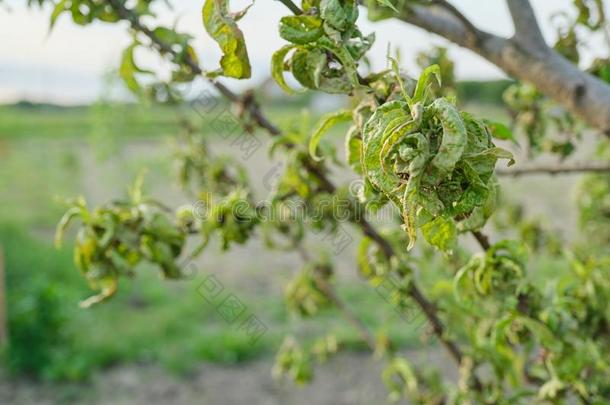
(598, 167)
(527, 30)
(470, 27)
(578, 92)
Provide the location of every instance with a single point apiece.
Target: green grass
(61, 122)
(150, 320)
(117, 121)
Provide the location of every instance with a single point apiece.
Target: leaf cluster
(325, 45)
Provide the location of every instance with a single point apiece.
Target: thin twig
(482, 239)
(292, 7)
(553, 169)
(350, 316)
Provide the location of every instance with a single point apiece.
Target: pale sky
(67, 65)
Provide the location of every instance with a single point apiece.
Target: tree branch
(551, 169)
(527, 29)
(578, 92)
(482, 239)
(470, 28)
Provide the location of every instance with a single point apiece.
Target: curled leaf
(339, 14)
(301, 29)
(423, 84)
(277, 68)
(453, 142)
(221, 26)
(434, 162)
(63, 224)
(325, 123)
(129, 69)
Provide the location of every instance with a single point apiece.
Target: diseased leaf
(114, 238)
(104, 280)
(307, 65)
(386, 118)
(277, 68)
(423, 84)
(325, 123)
(433, 162)
(221, 26)
(453, 141)
(399, 378)
(339, 14)
(347, 62)
(301, 29)
(353, 149)
(441, 232)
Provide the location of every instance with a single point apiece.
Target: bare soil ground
(348, 378)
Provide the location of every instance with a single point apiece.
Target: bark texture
(525, 57)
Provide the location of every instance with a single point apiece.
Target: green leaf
(277, 68)
(378, 10)
(221, 26)
(108, 284)
(500, 131)
(388, 4)
(129, 69)
(400, 379)
(353, 149)
(348, 63)
(363, 259)
(301, 29)
(307, 65)
(453, 142)
(386, 119)
(423, 84)
(60, 7)
(339, 14)
(325, 123)
(170, 36)
(63, 224)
